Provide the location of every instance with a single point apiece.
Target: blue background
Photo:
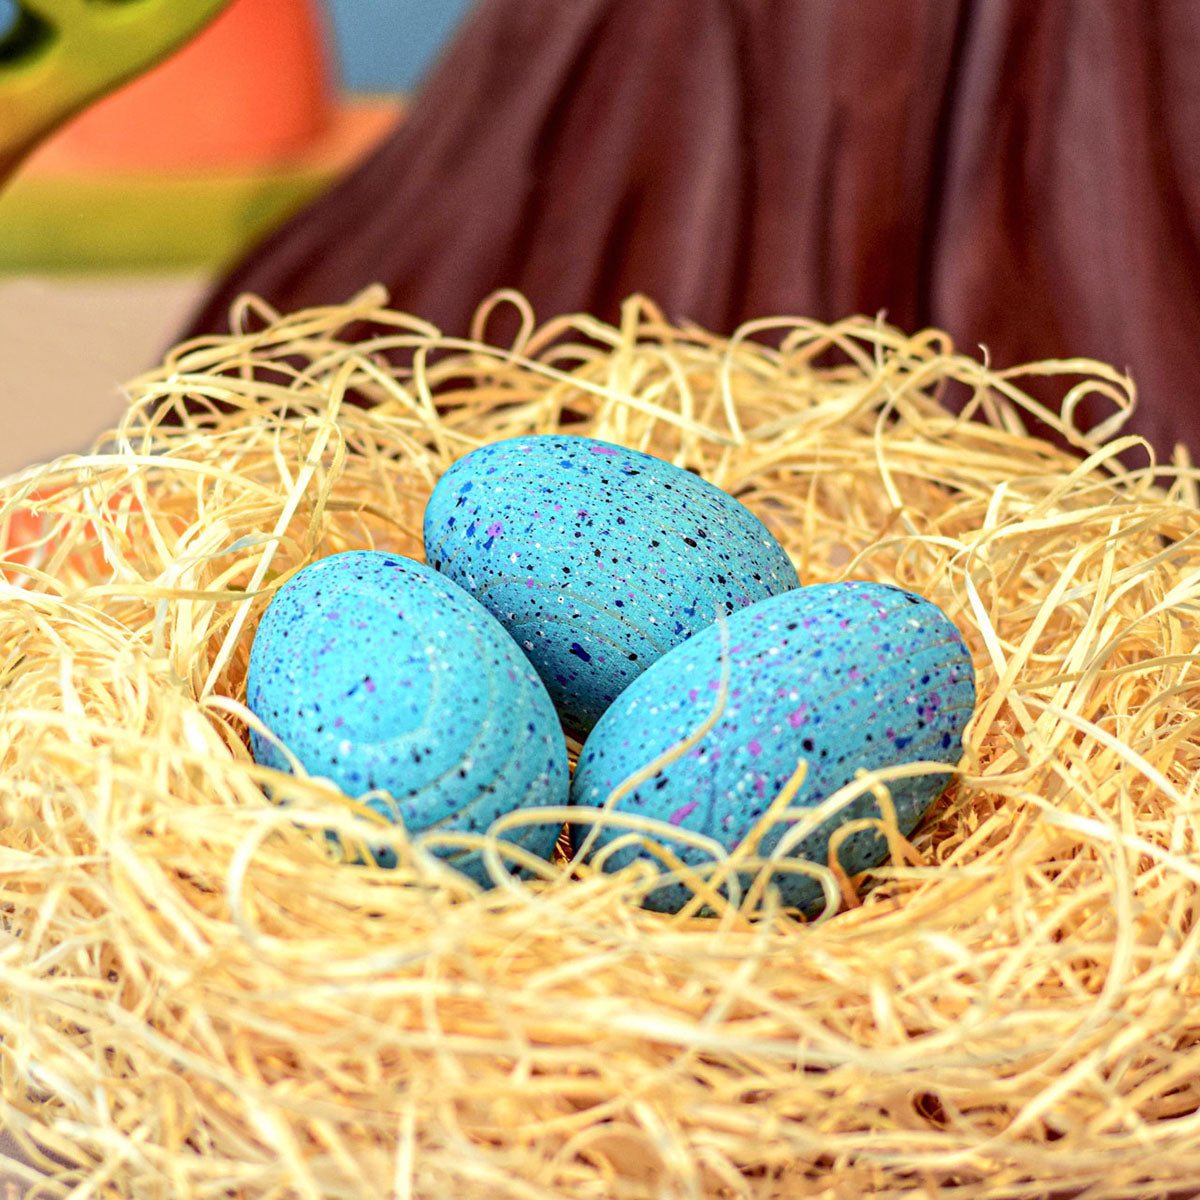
(378, 45)
(388, 45)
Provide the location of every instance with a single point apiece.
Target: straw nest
(197, 1000)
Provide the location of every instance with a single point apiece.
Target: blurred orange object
(33, 535)
(250, 90)
(186, 166)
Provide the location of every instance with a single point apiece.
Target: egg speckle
(596, 558)
(387, 678)
(844, 675)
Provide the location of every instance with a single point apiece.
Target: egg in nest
(596, 558)
(382, 675)
(846, 676)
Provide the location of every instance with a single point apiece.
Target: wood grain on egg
(596, 558)
(844, 675)
(387, 678)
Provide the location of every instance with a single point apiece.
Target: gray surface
(67, 344)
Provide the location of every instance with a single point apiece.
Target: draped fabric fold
(1024, 175)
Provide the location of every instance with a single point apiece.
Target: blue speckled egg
(378, 673)
(843, 675)
(597, 559)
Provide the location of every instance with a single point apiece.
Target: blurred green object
(162, 174)
(60, 55)
(155, 222)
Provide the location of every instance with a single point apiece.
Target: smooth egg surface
(843, 675)
(387, 678)
(596, 558)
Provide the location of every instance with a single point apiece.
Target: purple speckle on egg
(857, 712)
(598, 559)
(421, 703)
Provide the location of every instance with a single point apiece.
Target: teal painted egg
(844, 675)
(387, 678)
(597, 559)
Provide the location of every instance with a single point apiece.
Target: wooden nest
(198, 1001)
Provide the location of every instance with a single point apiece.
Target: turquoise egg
(387, 678)
(597, 559)
(844, 675)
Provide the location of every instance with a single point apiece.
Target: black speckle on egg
(648, 586)
(864, 685)
(446, 711)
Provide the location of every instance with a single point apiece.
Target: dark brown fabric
(1023, 174)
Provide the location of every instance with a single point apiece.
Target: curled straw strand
(196, 1000)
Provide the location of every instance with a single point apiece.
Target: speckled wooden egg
(844, 675)
(597, 559)
(379, 673)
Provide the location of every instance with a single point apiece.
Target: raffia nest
(197, 1000)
